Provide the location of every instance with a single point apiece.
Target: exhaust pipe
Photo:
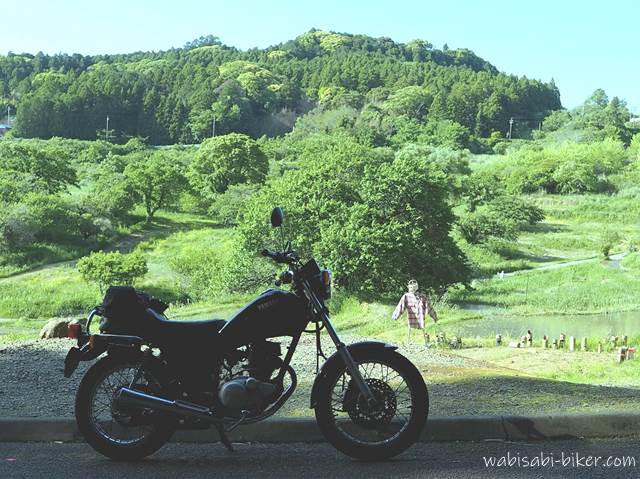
(129, 397)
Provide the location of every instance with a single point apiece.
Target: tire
(160, 430)
(375, 450)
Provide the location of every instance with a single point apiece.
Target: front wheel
(376, 432)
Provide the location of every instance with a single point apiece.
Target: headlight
(325, 275)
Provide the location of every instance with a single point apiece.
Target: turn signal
(326, 281)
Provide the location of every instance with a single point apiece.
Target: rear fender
(334, 361)
(97, 344)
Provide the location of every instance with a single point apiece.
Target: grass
(560, 365)
(125, 238)
(61, 291)
(575, 227)
(591, 287)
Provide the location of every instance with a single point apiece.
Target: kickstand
(224, 439)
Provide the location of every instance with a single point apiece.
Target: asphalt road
(277, 461)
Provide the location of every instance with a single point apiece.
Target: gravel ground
(32, 384)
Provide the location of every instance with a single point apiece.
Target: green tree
(47, 172)
(227, 160)
(112, 268)
(358, 210)
(156, 179)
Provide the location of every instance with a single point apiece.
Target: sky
(582, 45)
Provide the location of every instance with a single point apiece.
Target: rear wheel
(119, 433)
(385, 429)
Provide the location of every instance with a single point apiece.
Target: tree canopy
(175, 96)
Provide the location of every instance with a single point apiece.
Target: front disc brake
(364, 414)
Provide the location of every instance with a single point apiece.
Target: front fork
(351, 365)
(342, 349)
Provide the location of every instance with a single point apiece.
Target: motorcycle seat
(164, 331)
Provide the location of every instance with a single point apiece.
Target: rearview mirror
(277, 216)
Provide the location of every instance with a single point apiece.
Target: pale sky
(583, 45)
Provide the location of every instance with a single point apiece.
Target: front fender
(335, 360)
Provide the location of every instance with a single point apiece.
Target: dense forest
(176, 96)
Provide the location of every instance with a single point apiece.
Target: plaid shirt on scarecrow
(416, 305)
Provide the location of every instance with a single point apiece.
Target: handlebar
(278, 257)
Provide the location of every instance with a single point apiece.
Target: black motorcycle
(158, 375)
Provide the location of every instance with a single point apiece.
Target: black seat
(162, 331)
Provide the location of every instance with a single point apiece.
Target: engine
(247, 393)
(249, 387)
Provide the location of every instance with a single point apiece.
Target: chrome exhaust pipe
(130, 397)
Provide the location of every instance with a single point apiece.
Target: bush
(481, 187)
(228, 206)
(512, 208)
(51, 173)
(480, 225)
(208, 272)
(57, 219)
(17, 228)
(570, 168)
(113, 268)
(502, 218)
(111, 194)
(608, 241)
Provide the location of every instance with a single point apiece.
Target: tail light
(74, 330)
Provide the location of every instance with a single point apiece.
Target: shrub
(111, 194)
(113, 268)
(50, 172)
(480, 225)
(480, 187)
(57, 219)
(517, 210)
(17, 228)
(570, 168)
(228, 206)
(608, 241)
(208, 272)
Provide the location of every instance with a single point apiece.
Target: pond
(592, 325)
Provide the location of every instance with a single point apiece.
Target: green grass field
(573, 229)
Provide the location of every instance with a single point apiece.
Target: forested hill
(173, 96)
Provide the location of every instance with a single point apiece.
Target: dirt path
(126, 245)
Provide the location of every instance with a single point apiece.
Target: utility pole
(213, 127)
(510, 127)
(106, 131)
(8, 115)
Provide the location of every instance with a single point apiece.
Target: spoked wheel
(373, 431)
(118, 432)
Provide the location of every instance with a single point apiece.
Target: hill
(173, 96)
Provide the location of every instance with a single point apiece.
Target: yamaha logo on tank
(267, 304)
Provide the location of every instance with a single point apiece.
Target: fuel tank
(273, 313)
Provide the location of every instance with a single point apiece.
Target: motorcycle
(157, 375)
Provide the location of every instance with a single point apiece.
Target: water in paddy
(592, 325)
